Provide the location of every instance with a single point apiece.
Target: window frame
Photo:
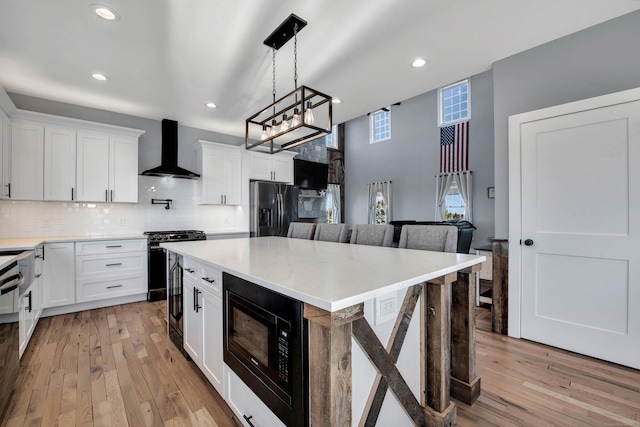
(441, 106)
(334, 138)
(372, 119)
(454, 186)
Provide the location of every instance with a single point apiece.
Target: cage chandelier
(298, 117)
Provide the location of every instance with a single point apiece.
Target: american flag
(454, 147)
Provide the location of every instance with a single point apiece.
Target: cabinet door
(59, 164)
(282, 168)
(123, 169)
(192, 320)
(212, 176)
(93, 167)
(212, 339)
(260, 166)
(27, 161)
(58, 276)
(232, 177)
(5, 155)
(27, 317)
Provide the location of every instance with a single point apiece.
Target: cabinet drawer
(192, 269)
(110, 246)
(244, 402)
(211, 280)
(104, 265)
(88, 290)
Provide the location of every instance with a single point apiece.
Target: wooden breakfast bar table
(334, 280)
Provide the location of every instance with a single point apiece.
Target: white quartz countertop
(30, 243)
(6, 260)
(331, 276)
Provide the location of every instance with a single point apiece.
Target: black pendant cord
(295, 57)
(273, 49)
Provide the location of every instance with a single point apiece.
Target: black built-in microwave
(266, 345)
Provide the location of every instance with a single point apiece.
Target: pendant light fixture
(300, 116)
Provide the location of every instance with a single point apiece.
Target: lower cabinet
(246, 404)
(110, 269)
(203, 320)
(28, 314)
(59, 275)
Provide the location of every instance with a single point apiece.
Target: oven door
(174, 301)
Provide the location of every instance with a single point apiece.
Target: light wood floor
(116, 367)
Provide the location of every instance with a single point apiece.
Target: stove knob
(155, 237)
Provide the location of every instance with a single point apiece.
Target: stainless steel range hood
(169, 163)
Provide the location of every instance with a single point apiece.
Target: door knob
(528, 242)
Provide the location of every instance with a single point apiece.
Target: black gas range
(157, 262)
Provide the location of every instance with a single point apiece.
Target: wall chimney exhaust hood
(169, 163)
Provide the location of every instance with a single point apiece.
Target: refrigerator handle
(280, 214)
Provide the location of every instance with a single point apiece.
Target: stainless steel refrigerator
(273, 207)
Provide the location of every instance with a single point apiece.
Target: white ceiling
(167, 58)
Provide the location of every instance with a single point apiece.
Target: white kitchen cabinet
(107, 168)
(58, 275)
(28, 314)
(193, 320)
(110, 269)
(202, 291)
(271, 167)
(246, 404)
(220, 168)
(59, 163)
(27, 161)
(5, 155)
(123, 169)
(93, 167)
(57, 158)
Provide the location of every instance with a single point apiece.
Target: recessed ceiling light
(336, 101)
(100, 77)
(210, 105)
(418, 62)
(105, 12)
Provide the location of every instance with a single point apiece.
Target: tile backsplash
(43, 219)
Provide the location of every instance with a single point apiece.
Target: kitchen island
(334, 281)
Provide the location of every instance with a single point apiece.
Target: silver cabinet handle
(206, 279)
(112, 195)
(106, 195)
(113, 264)
(113, 246)
(114, 286)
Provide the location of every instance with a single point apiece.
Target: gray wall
(411, 159)
(149, 151)
(596, 61)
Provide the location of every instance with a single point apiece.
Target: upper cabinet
(271, 167)
(27, 161)
(220, 168)
(5, 155)
(55, 158)
(59, 163)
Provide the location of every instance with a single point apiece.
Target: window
(381, 209)
(454, 206)
(331, 140)
(454, 103)
(380, 126)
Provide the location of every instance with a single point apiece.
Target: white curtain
(334, 190)
(385, 189)
(463, 181)
(443, 182)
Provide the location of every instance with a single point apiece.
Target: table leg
(465, 386)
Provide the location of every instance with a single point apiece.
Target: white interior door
(580, 209)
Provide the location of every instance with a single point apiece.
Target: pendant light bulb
(265, 134)
(273, 128)
(285, 124)
(295, 121)
(308, 114)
